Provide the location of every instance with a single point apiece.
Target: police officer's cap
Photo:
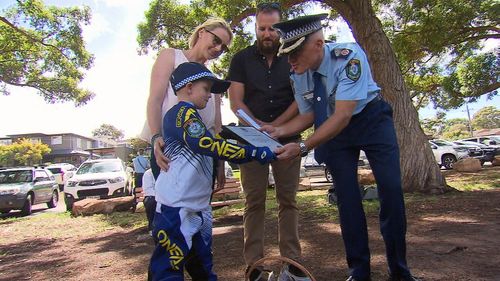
(191, 71)
(294, 32)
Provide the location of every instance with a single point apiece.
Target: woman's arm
(160, 75)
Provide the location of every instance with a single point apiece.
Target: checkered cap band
(301, 31)
(195, 77)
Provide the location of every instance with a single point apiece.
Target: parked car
(101, 179)
(62, 172)
(492, 141)
(489, 152)
(20, 188)
(446, 154)
(473, 150)
(312, 168)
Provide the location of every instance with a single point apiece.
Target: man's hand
(288, 152)
(263, 155)
(274, 132)
(221, 176)
(161, 159)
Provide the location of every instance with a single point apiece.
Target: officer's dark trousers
(371, 130)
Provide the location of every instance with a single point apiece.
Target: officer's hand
(287, 152)
(274, 132)
(161, 159)
(263, 155)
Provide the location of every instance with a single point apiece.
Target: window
(41, 175)
(79, 143)
(35, 140)
(56, 140)
(6, 142)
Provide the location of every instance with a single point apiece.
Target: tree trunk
(420, 171)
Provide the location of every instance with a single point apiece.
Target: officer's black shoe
(357, 279)
(408, 278)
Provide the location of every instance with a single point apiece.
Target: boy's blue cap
(293, 32)
(191, 71)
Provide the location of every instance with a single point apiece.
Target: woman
(208, 41)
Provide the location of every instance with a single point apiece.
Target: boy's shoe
(286, 275)
(356, 279)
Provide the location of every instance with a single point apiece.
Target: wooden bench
(229, 195)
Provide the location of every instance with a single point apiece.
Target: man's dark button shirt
(268, 92)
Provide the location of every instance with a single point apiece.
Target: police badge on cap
(294, 32)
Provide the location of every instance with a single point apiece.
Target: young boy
(183, 219)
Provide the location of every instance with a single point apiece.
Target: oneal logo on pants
(222, 148)
(175, 253)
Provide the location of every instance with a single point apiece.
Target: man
(261, 87)
(141, 164)
(334, 90)
(149, 201)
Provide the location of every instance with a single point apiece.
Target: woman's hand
(161, 159)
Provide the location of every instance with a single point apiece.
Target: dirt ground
(455, 236)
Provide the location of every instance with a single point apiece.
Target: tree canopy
(457, 128)
(438, 44)
(108, 131)
(486, 118)
(22, 152)
(41, 47)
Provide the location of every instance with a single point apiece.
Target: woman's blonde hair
(210, 24)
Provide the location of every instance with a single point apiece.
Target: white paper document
(254, 136)
(245, 117)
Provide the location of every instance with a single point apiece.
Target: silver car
(20, 188)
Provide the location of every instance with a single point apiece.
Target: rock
(496, 161)
(365, 177)
(467, 165)
(305, 183)
(102, 206)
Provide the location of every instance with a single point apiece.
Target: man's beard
(268, 49)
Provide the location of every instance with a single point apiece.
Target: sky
(119, 78)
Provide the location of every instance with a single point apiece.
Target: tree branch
(34, 40)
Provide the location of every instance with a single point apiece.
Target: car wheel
(53, 201)
(448, 161)
(328, 175)
(69, 204)
(26, 210)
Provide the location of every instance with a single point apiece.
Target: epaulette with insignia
(341, 52)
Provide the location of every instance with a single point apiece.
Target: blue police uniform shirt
(191, 148)
(346, 75)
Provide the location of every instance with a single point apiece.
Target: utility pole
(468, 116)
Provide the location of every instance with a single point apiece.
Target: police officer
(335, 91)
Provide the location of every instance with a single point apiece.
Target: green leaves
(440, 40)
(108, 131)
(42, 47)
(22, 152)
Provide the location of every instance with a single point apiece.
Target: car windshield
(99, 167)
(442, 143)
(496, 139)
(55, 170)
(16, 176)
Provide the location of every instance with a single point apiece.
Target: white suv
(62, 172)
(446, 155)
(103, 178)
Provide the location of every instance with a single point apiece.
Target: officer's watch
(303, 149)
